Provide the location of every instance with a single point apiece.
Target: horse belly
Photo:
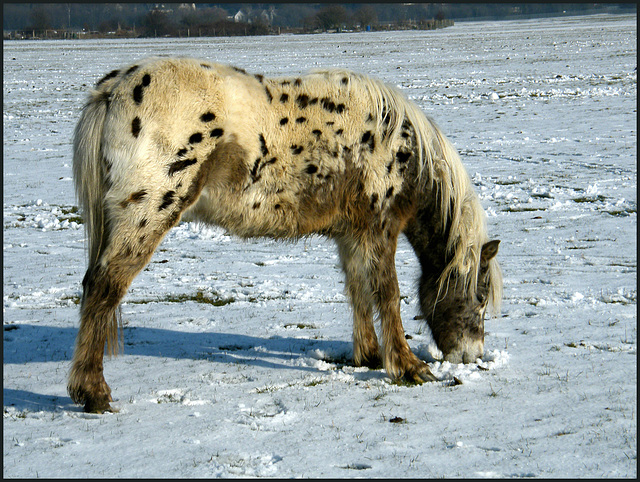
(277, 210)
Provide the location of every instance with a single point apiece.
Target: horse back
(280, 157)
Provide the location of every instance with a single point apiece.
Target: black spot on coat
(180, 165)
(216, 132)
(374, 200)
(195, 138)
(369, 139)
(263, 145)
(135, 127)
(327, 104)
(137, 196)
(284, 121)
(131, 69)
(302, 100)
(284, 98)
(207, 117)
(403, 157)
(254, 170)
(167, 200)
(137, 93)
(110, 75)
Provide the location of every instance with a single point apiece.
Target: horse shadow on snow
(30, 343)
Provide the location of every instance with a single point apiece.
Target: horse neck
(429, 233)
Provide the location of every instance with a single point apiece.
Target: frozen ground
(237, 354)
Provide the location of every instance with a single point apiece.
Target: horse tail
(91, 185)
(88, 171)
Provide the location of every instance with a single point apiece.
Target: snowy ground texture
(237, 354)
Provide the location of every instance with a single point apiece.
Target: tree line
(189, 19)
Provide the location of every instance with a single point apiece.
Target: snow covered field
(237, 354)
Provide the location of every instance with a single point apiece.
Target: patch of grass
(585, 199)
(71, 214)
(300, 326)
(199, 297)
(507, 182)
(355, 466)
(313, 383)
(522, 209)
(622, 213)
(75, 299)
(493, 393)
(267, 389)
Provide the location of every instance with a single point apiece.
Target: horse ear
(489, 251)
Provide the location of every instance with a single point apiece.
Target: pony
(331, 152)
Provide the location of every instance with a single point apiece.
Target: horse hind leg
(133, 230)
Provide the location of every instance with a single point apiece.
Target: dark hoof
(94, 401)
(99, 406)
(419, 375)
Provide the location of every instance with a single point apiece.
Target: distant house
(263, 15)
(240, 17)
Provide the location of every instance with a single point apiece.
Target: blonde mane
(440, 167)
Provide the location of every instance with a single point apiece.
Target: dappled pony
(331, 152)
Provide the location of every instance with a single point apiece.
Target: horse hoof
(99, 406)
(419, 375)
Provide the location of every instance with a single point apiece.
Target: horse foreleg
(399, 361)
(366, 350)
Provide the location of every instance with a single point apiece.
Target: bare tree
(366, 15)
(333, 16)
(40, 18)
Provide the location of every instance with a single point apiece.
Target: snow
(237, 353)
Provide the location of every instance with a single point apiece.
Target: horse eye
(481, 298)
